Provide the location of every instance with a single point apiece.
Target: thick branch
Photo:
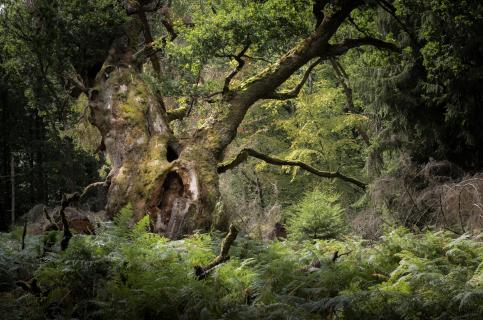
(76, 84)
(243, 156)
(318, 11)
(168, 25)
(265, 83)
(295, 91)
(347, 44)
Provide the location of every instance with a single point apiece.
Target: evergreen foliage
(317, 216)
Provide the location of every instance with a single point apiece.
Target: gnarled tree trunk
(174, 183)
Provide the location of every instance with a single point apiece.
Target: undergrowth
(125, 272)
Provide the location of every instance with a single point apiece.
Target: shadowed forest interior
(241, 159)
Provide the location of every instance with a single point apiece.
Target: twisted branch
(243, 156)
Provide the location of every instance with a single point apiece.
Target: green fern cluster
(125, 272)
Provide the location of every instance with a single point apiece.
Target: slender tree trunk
(12, 181)
(5, 161)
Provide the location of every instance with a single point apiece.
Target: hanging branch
(203, 272)
(343, 79)
(243, 156)
(389, 8)
(295, 91)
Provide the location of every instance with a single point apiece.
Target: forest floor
(125, 272)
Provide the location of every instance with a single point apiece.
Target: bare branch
(295, 91)
(347, 44)
(245, 153)
(76, 84)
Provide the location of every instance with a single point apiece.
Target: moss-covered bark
(175, 184)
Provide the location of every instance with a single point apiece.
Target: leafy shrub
(317, 216)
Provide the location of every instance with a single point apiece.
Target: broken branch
(24, 233)
(202, 272)
(66, 201)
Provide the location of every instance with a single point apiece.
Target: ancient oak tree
(175, 179)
